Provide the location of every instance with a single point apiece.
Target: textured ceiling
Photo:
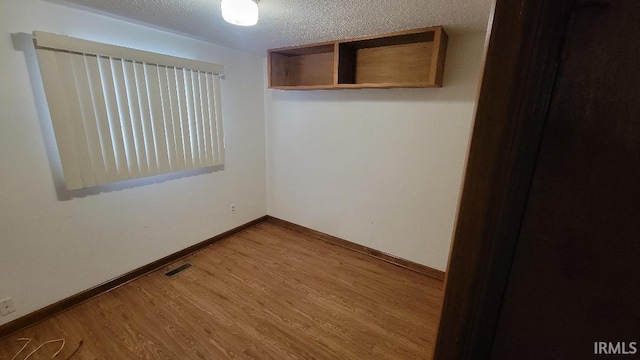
(294, 22)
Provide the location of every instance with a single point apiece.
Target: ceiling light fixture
(240, 12)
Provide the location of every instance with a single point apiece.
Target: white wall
(53, 245)
(381, 168)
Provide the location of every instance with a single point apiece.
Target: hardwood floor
(265, 293)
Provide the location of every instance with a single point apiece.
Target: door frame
(522, 56)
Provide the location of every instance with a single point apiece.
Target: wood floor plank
(265, 293)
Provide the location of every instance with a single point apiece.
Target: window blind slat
(193, 133)
(166, 116)
(102, 120)
(184, 118)
(67, 74)
(58, 109)
(218, 119)
(89, 119)
(212, 116)
(159, 128)
(206, 119)
(134, 115)
(175, 117)
(124, 113)
(197, 110)
(115, 128)
(155, 105)
(145, 117)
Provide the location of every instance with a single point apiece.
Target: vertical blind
(120, 113)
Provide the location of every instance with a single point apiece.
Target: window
(120, 113)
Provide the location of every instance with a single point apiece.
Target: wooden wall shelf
(413, 58)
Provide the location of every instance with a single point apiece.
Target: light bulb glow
(240, 12)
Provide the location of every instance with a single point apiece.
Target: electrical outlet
(233, 208)
(7, 307)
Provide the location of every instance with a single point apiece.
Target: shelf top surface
(406, 36)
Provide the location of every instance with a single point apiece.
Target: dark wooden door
(575, 276)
